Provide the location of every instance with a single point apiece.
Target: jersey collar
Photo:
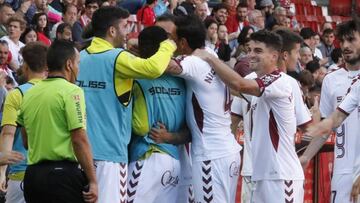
(99, 45)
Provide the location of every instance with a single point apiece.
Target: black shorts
(54, 181)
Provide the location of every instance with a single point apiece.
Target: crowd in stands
(229, 25)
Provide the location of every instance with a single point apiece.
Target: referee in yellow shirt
(53, 118)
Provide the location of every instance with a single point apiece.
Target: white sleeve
(325, 106)
(236, 106)
(190, 69)
(302, 113)
(351, 100)
(273, 86)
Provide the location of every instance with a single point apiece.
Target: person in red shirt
(40, 21)
(146, 15)
(236, 22)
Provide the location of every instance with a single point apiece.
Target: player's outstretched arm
(325, 126)
(229, 76)
(161, 135)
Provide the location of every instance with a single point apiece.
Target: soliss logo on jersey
(234, 169)
(91, 84)
(163, 90)
(168, 179)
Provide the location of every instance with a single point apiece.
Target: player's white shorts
(279, 191)
(154, 180)
(247, 187)
(185, 194)
(111, 178)
(15, 192)
(341, 185)
(216, 180)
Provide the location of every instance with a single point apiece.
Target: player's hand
(202, 53)
(315, 111)
(92, 195)
(10, 157)
(304, 162)
(355, 191)
(173, 68)
(2, 180)
(160, 135)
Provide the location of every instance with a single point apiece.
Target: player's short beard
(353, 61)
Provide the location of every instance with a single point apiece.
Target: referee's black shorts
(54, 182)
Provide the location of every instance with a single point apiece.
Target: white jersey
(302, 113)
(241, 107)
(273, 130)
(347, 136)
(207, 111)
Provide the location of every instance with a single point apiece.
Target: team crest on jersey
(267, 80)
(234, 169)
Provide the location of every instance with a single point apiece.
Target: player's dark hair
(348, 28)
(59, 52)
(150, 39)
(193, 30)
(270, 39)
(289, 39)
(34, 55)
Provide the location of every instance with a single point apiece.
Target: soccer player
(287, 61)
(214, 150)
(276, 168)
(34, 69)
(155, 167)
(240, 110)
(338, 97)
(52, 114)
(106, 76)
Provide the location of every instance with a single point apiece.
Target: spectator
(5, 13)
(16, 26)
(63, 32)
(337, 58)
(220, 13)
(59, 5)
(317, 71)
(327, 44)
(29, 35)
(223, 49)
(70, 17)
(41, 25)
(266, 7)
(306, 80)
(288, 23)
(236, 23)
(326, 25)
(146, 15)
(201, 10)
(317, 40)
(4, 59)
(90, 7)
(54, 109)
(243, 40)
(256, 20)
(211, 33)
(41, 6)
(34, 70)
(305, 57)
(308, 35)
(279, 18)
(186, 7)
